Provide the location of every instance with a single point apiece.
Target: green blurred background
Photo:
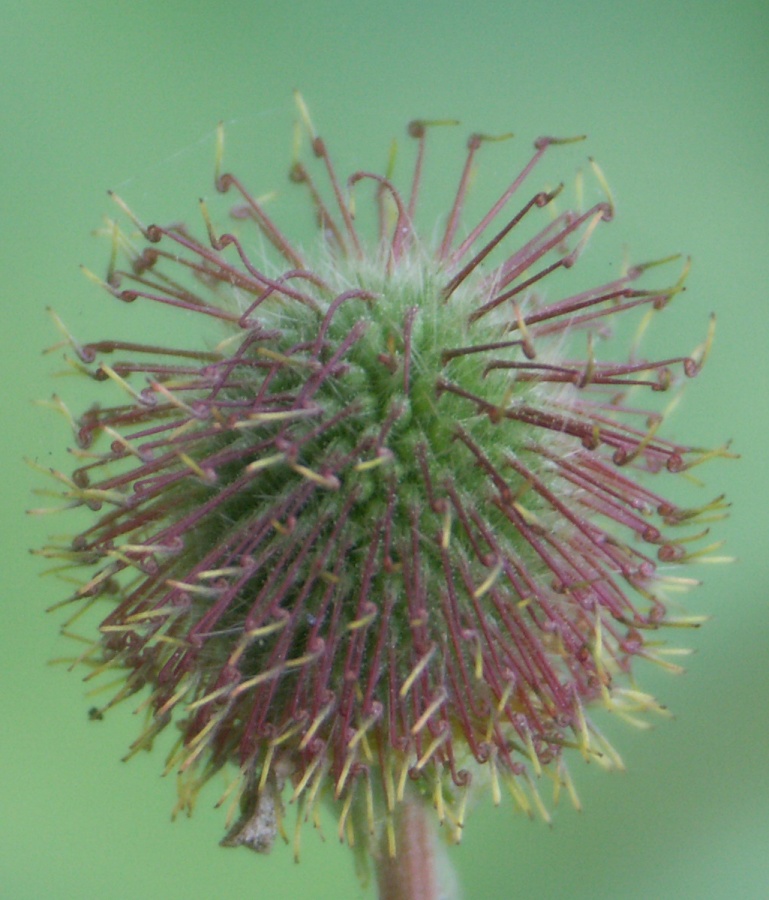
(675, 98)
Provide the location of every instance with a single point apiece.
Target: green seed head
(393, 536)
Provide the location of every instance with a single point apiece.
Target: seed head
(388, 533)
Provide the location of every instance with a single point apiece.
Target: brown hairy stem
(412, 874)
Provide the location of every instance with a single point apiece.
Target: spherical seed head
(393, 532)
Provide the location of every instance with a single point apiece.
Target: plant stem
(413, 874)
